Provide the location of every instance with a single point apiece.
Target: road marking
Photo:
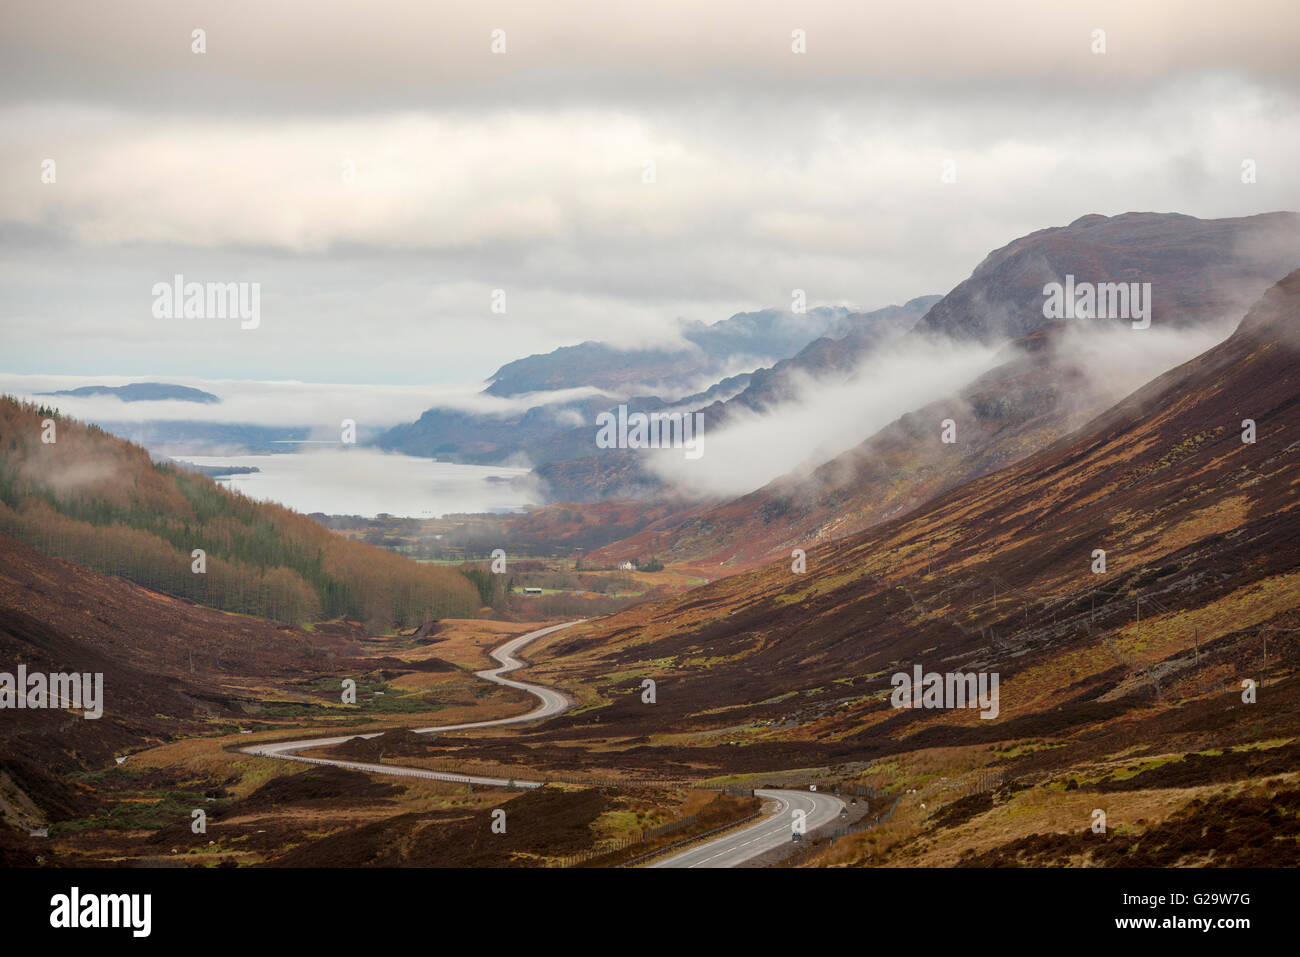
(552, 703)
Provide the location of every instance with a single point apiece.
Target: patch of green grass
(171, 807)
(1028, 747)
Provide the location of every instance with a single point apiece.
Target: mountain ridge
(1201, 537)
(1041, 391)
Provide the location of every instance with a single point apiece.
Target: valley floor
(1197, 780)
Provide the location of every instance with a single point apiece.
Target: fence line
(618, 782)
(612, 847)
(864, 825)
(984, 782)
(692, 839)
(734, 790)
(833, 831)
(604, 849)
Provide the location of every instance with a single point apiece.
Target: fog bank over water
(360, 481)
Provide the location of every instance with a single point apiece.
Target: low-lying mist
(317, 406)
(825, 417)
(368, 482)
(1119, 360)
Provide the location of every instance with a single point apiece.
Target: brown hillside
(1200, 271)
(1202, 539)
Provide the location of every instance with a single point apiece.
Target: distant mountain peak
(707, 351)
(1200, 269)
(142, 392)
(1091, 219)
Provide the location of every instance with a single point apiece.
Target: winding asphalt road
(773, 831)
(728, 850)
(552, 703)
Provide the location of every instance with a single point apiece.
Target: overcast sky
(524, 171)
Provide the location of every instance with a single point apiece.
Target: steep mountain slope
(563, 432)
(1051, 381)
(573, 470)
(711, 364)
(707, 351)
(539, 435)
(1202, 541)
(77, 492)
(170, 668)
(1199, 269)
(836, 354)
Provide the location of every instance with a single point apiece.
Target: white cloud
(825, 417)
(307, 404)
(523, 172)
(1119, 360)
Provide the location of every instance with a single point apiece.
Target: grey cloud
(336, 56)
(522, 172)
